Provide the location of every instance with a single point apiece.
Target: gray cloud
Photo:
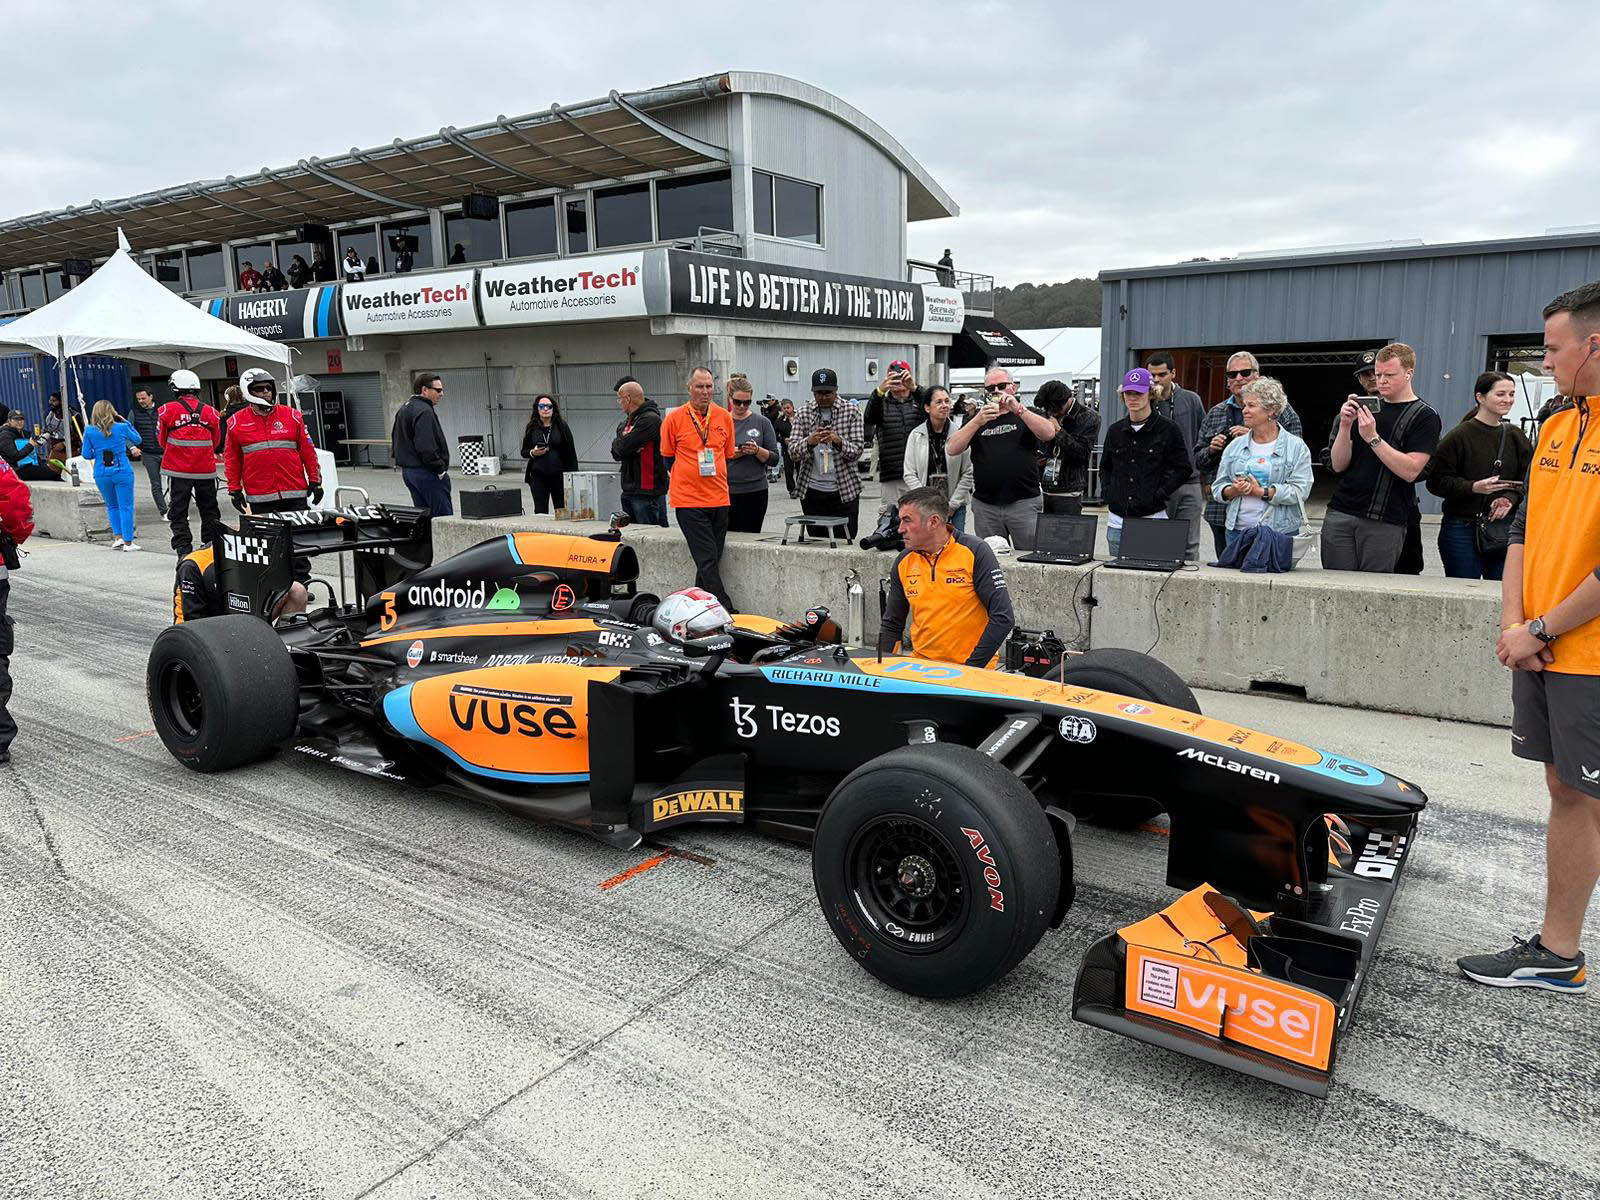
(1074, 137)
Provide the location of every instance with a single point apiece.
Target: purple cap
(1136, 380)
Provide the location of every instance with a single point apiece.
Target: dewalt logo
(699, 803)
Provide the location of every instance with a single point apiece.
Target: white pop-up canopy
(120, 310)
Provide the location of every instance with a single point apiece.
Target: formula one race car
(940, 801)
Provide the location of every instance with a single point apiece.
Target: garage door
(588, 399)
(363, 408)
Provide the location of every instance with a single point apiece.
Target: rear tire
(223, 691)
(936, 869)
(1139, 677)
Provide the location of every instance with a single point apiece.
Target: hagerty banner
(282, 316)
(714, 285)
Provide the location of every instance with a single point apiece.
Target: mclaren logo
(1227, 764)
(694, 804)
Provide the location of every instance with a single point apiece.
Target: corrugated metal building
(1464, 307)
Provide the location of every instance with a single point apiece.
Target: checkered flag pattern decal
(245, 549)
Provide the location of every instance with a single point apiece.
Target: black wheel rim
(181, 700)
(907, 882)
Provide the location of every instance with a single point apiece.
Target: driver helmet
(185, 383)
(691, 614)
(252, 378)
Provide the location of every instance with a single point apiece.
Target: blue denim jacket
(1289, 471)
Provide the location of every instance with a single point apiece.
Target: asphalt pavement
(292, 981)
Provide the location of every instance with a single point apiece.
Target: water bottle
(855, 610)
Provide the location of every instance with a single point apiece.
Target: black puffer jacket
(1140, 468)
(890, 422)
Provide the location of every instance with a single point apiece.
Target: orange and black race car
(940, 801)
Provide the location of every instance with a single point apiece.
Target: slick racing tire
(223, 691)
(936, 869)
(1139, 677)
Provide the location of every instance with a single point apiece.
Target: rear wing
(386, 543)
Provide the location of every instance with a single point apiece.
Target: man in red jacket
(189, 431)
(16, 523)
(271, 463)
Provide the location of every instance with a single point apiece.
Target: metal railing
(711, 240)
(977, 290)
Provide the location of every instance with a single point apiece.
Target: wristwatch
(1536, 627)
(1374, 440)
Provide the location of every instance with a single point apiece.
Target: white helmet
(185, 381)
(252, 377)
(692, 614)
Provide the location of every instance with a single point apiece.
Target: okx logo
(241, 548)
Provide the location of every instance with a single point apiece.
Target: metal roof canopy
(564, 147)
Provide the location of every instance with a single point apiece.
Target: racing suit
(16, 523)
(189, 431)
(195, 595)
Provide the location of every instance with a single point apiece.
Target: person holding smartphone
(548, 446)
(1005, 437)
(1477, 471)
(755, 445)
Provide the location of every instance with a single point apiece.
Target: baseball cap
(1367, 362)
(824, 380)
(900, 364)
(1136, 380)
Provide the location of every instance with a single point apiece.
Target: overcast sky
(1074, 137)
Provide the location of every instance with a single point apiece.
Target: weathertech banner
(282, 316)
(944, 309)
(714, 285)
(573, 289)
(410, 303)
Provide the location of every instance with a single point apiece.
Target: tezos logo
(444, 595)
(782, 720)
(1077, 729)
(414, 653)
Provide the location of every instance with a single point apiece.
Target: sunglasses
(1241, 374)
(738, 403)
(547, 406)
(992, 388)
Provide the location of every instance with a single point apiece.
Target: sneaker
(1527, 964)
(131, 546)
(117, 543)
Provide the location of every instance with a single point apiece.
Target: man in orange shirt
(696, 439)
(1550, 637)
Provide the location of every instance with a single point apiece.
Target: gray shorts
(1555, 718)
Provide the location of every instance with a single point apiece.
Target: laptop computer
(1152, 544)
(1062, 540)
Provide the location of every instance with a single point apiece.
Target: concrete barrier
(1406, 644)
(68, 513)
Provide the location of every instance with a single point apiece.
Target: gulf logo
(414, 653)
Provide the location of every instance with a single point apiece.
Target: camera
(886, 534)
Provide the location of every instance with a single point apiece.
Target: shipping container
(26, 381)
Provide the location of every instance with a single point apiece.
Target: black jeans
(706, 531)
(204, 492)
(828, 504)
(8, 643)
(645, 510)
(152, 468)
(746, 511)
(549, 489)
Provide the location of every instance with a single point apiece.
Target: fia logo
(744, 717)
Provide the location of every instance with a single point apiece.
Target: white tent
(121, 311)
(1071, 354)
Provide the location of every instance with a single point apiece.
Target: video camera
(886, 534)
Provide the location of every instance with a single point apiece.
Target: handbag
(1493, 538)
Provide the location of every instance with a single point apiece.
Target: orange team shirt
(681, 441)
(1562, 536)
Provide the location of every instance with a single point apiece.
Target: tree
(1048, 305)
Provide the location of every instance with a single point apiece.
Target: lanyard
(703, 430)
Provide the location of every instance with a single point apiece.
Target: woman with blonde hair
(108, 445)
(755, 444)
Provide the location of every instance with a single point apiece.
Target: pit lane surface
(291, 981)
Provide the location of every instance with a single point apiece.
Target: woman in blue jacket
(1264, 475)
(106, 446)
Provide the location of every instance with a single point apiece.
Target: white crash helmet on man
(690, 615)
(254, 377)
(185, 382)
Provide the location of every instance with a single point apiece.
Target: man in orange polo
(949, 587)
(1550, 637)
(696, 439)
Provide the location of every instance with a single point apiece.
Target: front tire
(223, 691)
(936, 869)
